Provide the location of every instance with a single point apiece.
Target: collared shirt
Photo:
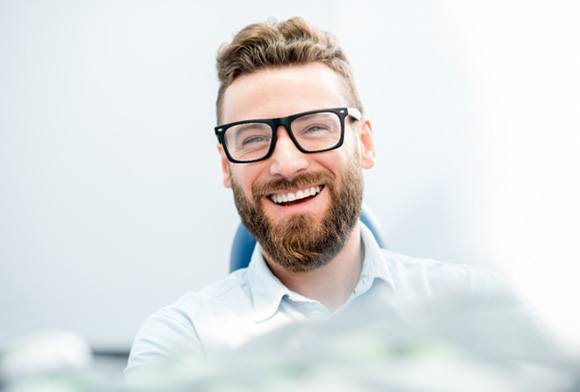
(252, 301)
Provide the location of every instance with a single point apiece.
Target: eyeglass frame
(275, 123)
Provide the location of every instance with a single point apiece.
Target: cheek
(340, 160)
(244, 178)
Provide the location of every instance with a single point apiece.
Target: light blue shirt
(252, 301)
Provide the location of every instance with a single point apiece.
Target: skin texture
(331, 271)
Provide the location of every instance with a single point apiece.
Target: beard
(299, 243)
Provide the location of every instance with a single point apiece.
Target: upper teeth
(301, 194)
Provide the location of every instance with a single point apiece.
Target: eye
(313, 129)
(255, 139)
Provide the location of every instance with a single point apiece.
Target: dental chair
(244, 243)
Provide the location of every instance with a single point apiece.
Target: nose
(286, 160)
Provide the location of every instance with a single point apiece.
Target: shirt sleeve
(166, 345)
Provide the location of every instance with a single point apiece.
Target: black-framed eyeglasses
(314, 131)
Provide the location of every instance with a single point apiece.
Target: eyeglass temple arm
(355, 113)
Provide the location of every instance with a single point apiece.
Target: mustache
(283, 184)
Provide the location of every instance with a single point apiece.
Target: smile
(300, 195)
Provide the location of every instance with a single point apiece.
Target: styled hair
(270, 45)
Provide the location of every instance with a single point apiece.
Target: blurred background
(111, 203)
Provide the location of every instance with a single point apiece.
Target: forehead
(278, 92)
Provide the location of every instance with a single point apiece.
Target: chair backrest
(244, 243)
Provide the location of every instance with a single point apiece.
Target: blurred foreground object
(44, 352)
(461, 343)
(29, 359)
(455, 342)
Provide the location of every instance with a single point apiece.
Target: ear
(225, 167)
(366, 144)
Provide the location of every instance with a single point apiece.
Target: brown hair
(268, 45)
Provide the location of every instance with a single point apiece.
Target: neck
(331, 284)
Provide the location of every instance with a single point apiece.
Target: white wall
(111, 204)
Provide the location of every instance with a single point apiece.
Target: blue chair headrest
(244, 243)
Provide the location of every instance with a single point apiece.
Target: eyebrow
(252, 125)
(310, 115)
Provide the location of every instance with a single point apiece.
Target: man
(293, 142)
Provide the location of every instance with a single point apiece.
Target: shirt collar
(375, 264)
(268, 291)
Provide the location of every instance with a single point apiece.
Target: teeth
(301, 194)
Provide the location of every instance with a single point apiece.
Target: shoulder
(232, 290)
(194, 309)
(430, 276)
(177, 334)
(473, 296)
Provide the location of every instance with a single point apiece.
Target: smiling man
(296, 177)
(293, 142)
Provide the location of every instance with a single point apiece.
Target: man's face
(303, 234)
